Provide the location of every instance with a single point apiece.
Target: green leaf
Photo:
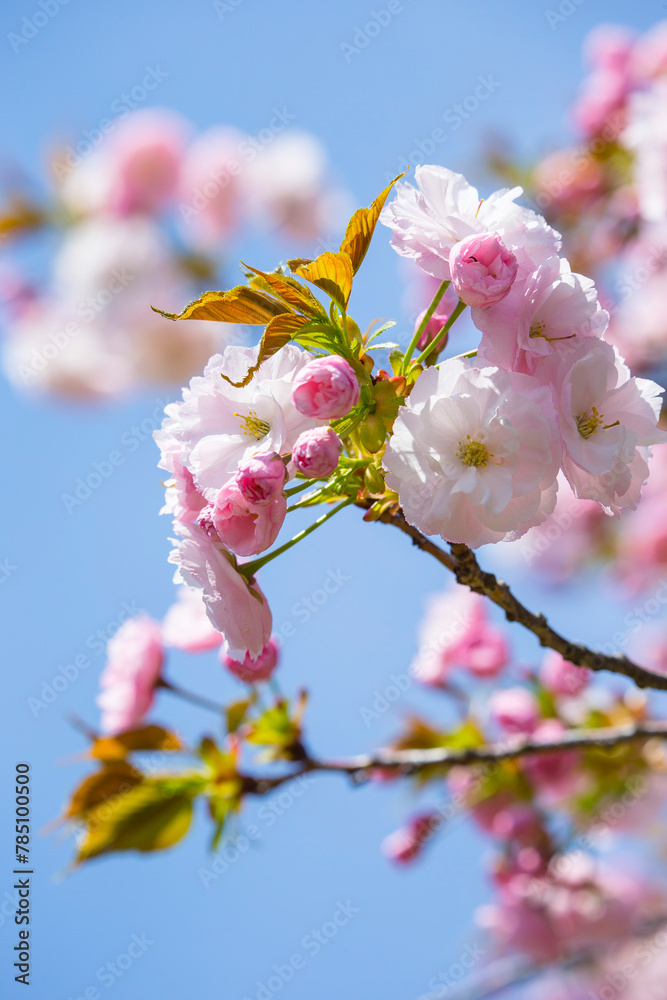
(236, 713)
(389, 345)
(115, 778)
(150, 817)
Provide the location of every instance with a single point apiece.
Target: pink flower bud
(483, 269)
(405, 845)
(561, 677)
(134, 662)
(316, 452)
(326, 388)
(246, 529)
(515, 709)
(255, 669)
(261, 478)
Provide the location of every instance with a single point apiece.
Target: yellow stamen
(473, 453)
(588, 423)
(252, 426)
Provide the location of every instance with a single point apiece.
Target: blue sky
(73, 572)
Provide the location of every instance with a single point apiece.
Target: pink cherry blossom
(316, 452)
(235, 606)
(427, 221)
(561, 677)
(545, 313)
(245, 528)
(483, 270)
(515, 709)
(134, 662)
(212, 186)
(326, 388)
(607, 419)
(216, 426)
(474, 453)
(556, 775)
(186, 625)
(135, 170)
(261, 478)
(250, 670)
(456, 632)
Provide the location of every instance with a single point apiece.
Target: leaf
(115, 778)
(236, 713)
(380, 330)
(279, 332)
(238, 305)
(389, 345)
(332, 272)
(111, 748)
(292, 292)
(275, 728)
(361, 227)
(150, 817)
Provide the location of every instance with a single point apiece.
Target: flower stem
(196, 699)
(302, 486)
(450, 322)
(250, 568)
(424, 323)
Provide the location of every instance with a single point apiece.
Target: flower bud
(562, 677)
(373, 433)
(483, 269)
(374, 480)
(252, 670)
(316, 452)
(326, 388)
(261, 478)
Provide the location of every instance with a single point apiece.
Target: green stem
(450, 322)
(250, 568)
(306, 502)
(299, 489)
(424, 323)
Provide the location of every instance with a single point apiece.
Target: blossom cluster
(144, 211)
(475, 454)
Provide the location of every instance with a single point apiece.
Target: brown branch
(407, 762)
(461, 561)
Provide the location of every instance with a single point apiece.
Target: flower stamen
(473, 453)
(588, 423)
(253, 426)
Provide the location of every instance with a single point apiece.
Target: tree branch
(461, 561)
(408, 762)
